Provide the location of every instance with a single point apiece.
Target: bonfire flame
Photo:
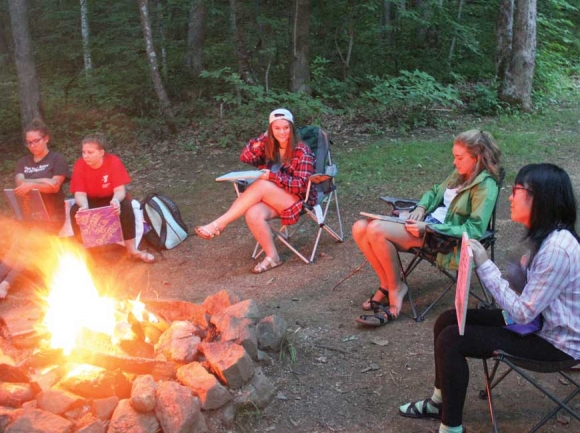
(74, 305)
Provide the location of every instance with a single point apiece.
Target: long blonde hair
(482, 147)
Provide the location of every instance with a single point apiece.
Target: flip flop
(376, 320)
(369, 304)
(265, 265)
(143, 256)
(203, 233)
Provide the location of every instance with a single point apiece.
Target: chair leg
(488, 389)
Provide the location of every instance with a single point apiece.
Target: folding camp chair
(521, 366)
(435, 243)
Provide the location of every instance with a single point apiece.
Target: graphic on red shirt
(99, 182)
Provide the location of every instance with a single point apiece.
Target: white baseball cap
(281, 113)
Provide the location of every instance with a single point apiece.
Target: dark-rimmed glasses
(34, 142)
(516, 187)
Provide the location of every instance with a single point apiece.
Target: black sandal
(377, 319)
(371, 305)
(413, 412)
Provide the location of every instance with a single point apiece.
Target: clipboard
(240, 175)
(99, 226)
(28, 207)
(383, 217)
(463, 282)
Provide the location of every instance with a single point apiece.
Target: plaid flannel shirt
(292, 176)
(552, 289)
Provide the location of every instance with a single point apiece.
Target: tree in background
(166, 110)
(516, 86)
(300, 48)
(196, 37)
(86, 34)
(29, 90)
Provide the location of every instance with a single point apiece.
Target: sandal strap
(423, 412)
(378, 308)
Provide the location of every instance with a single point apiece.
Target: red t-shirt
(99, 182)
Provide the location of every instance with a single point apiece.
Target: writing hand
(23, 188)
(418, 214)
(116, 206)
(265, 174)
(415, 228)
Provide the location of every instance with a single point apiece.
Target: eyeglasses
(516, 187)
(34, 142)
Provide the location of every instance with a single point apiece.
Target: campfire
(105, 364)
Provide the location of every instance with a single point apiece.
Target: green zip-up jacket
(470, 211)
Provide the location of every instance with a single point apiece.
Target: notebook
(463, 282)
(383, 217)
(238, 175)
(99, 226)
(29, 207)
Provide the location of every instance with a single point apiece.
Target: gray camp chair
(435, 243)
(522, 367)
(326, 210)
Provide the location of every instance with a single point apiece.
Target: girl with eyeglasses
(542, 291)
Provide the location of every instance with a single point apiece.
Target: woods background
(153, 69)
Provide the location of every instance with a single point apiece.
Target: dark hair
(553, 205)
(98, 139)
(38, 126)
(273, 147)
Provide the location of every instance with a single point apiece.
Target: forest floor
(344, 378)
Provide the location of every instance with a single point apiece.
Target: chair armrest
(319, 178)
(400, 203)
(437, 242)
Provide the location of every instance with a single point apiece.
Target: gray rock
(177, 410)
(40, 421)
(271, 332)
(143, 393)
(127, 420)
(204, 385)
(229, 362)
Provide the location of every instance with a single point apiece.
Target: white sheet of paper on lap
(463, 282)
(240, 175)
(376, 216)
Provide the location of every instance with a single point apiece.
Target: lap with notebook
(28, 207)
(99, 226)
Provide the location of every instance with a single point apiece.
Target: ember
(139, 365)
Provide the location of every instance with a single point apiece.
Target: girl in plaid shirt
(545, 285)
(280, 191)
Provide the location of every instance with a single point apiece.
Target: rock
(229, 362)
(40, 421)
(7, 416)
(103, 408)
(204, 385)
(98, 383)
(126, 419)
(241, 331)
(247, 309)
(271, 332)
(58, 401)
(15, 394)
(143, 393)
(171, 310)
(96, 426)
(258, 393)
(220, 301)
(179, 343)
(177, 410)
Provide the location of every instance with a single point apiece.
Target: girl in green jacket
(462, 203)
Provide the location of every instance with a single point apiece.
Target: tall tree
(516, 87)
(454, 38)
(161, 32)
(504, 35)
(86, 34)
(245, 70)
(28, 88)
(166, 110)
(300, 47)
(196, 37)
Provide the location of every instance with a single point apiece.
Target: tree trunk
(28, 88)
(300, 46)
(454, 39)
(5, 57)
(154, 67)
(387, 22)
(504, 35)
(161, 31)
(245, 70)
(196, 37)
(86, 34)
(516, 89)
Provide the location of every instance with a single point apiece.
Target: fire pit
(145, 365)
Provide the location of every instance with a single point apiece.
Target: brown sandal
(204, 233)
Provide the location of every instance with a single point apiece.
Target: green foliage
(410, 98)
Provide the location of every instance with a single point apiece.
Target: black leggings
(483, 334)
(127, 216)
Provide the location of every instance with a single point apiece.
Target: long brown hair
(273, 146)
(482, 147)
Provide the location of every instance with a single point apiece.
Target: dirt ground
(345, 378)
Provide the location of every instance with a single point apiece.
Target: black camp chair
(435, 243)
(522, 367)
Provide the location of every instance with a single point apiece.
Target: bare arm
(81, 200)
(119, 195)
(46, 185)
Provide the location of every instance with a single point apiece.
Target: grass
(408, 166)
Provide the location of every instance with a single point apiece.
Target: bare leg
(259, 191)
(257, 218)
(133, 251)
(380, 242)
